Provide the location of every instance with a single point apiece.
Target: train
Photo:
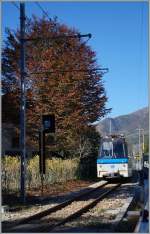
(113, 159)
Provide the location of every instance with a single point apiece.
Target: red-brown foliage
(72, 90)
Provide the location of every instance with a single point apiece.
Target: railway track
(49, 219)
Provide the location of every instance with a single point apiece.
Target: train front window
(119, 149)
(113, 149)
(106, 149)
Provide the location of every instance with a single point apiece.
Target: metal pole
(142, 159)
(139, 148)
(23, 101)
(110, 127)
(143, 142)
(41, 166)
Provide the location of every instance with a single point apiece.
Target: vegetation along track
(56, 216)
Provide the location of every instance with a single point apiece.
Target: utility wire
(44, 12)
(18, 8)
(16, 5)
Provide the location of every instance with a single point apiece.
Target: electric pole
(23, 101)
(141, 149)
(143, 141)
(110, 127)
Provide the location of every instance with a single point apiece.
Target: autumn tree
(62, 77)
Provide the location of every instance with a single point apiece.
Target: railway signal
(47, 126)
(48, 122)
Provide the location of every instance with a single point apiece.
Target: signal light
(48, 122)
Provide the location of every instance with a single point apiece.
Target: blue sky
(119, 37)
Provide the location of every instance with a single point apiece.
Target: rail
(51, 223)
(47, 212)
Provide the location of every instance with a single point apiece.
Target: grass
(57, 171)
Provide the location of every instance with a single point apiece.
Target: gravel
(13, 216)
(9, 215)
(102, 215)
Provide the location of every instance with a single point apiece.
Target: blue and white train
(113, 159)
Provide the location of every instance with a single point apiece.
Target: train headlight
(124, 165)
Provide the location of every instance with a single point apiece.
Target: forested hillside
(127, 124)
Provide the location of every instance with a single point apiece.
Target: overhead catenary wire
(13, 3)
(46, 14)
(18, 8)
(43, 11)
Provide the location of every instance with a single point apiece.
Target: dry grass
(57, 171)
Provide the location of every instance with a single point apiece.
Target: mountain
(126, 124)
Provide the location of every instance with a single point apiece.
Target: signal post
(47, 126)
